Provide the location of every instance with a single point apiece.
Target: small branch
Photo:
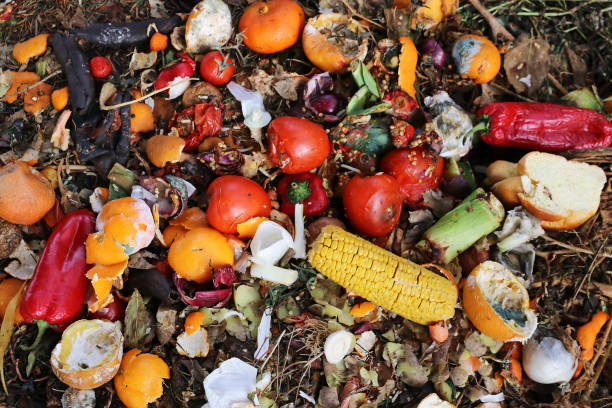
(557, 84)
(143, 97)
(355, 13)
(509, 92)
(573, 248)
(499, 31)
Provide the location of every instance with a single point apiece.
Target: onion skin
(432, 48)
(547, 361)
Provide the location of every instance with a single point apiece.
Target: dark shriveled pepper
(117, 35)
(543, 126)
(304, 188)
(56, 294)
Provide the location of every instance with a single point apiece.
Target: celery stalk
(475, 217)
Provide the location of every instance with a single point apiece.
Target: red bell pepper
(197, 123)
(543, 126)
(56, 294)
(305, 188)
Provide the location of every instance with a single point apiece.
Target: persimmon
(325, 49)
(33, 47)
(194, 256)
(271, 26)
(25, 195)
(477, 58)
(159, 42)
(162, 149)
(8, 289)
(142, 119)
(140, 378)
(89, 354)
(37, 98)
(59, 98)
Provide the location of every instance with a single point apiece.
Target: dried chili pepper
(117, 35)
(543, 126)
(56, 294)
(196, 123)
(304, 188)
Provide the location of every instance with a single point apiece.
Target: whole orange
(272, 26)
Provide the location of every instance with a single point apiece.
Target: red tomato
(113, 311)
(233, 200)
(100, 67)
(216, 68)
(416, 170)
(297, 145)
(373, 204)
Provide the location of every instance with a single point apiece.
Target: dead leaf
(140, 260)
(106, 94)
(6, 78)
(527, 64)
(288, 87)
(577, 65)
(487, 95)
(201, 92)
(10, 238)
(604, 288)
(158, 9)
(166, 323)
(142, 60)
(328, 397)
(138, 321)
(262, 82)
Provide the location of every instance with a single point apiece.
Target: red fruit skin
(373, 204)
(100, 67)
(233, 200)
(297, 145)
(114, 311)
(416, 170)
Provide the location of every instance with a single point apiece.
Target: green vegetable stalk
(478, 215)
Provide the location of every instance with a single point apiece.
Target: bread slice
(559, 191)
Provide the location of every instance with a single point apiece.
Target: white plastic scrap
(263, 334)
(230, 384)
(268, 246)
(253, 110)
(492, 397)
(452, 124)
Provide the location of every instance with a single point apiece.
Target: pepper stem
(42, 328)
(298, 191)
(482, 126)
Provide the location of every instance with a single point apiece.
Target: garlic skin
(546, 361)
(338, 345)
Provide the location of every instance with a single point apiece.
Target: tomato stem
(42, 328)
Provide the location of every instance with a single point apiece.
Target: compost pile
(288, 204)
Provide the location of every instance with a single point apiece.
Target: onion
(338, 345)
(547, 361)
(327, 104)
(321, 101)
(432, 48)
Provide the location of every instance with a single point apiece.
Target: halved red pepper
(183, 69)
(56, 294)
(305, 188)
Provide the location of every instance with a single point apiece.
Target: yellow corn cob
(383, 278)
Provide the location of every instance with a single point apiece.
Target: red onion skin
(432, 48)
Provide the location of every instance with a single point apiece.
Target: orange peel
(248, 228)
(162, 149)
(89, 354)
(140, 378)
(33, 47)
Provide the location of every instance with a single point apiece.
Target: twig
(602, 364)
(506, 90)
(355, 13)
(20, 91)
(557, 84)
(573, 248)
(499, 31)
(273, 349)
(595, 263)
(143, 97)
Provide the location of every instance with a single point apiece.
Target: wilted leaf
(138, 321)
(166, 323)
(6, 78)
(106, 93)
(527, 64)
(328, 397)
(142, 60)
(24, 264)
(7, 329)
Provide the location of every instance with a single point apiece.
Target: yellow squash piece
(379, 276)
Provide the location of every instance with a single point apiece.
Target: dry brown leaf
(142, 60)
(527, 64)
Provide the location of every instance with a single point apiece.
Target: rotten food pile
(290, 204)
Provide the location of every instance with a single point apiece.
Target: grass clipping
(7, 329)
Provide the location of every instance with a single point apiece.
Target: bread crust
(539, 212)
(507, 191)
(574, 220)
